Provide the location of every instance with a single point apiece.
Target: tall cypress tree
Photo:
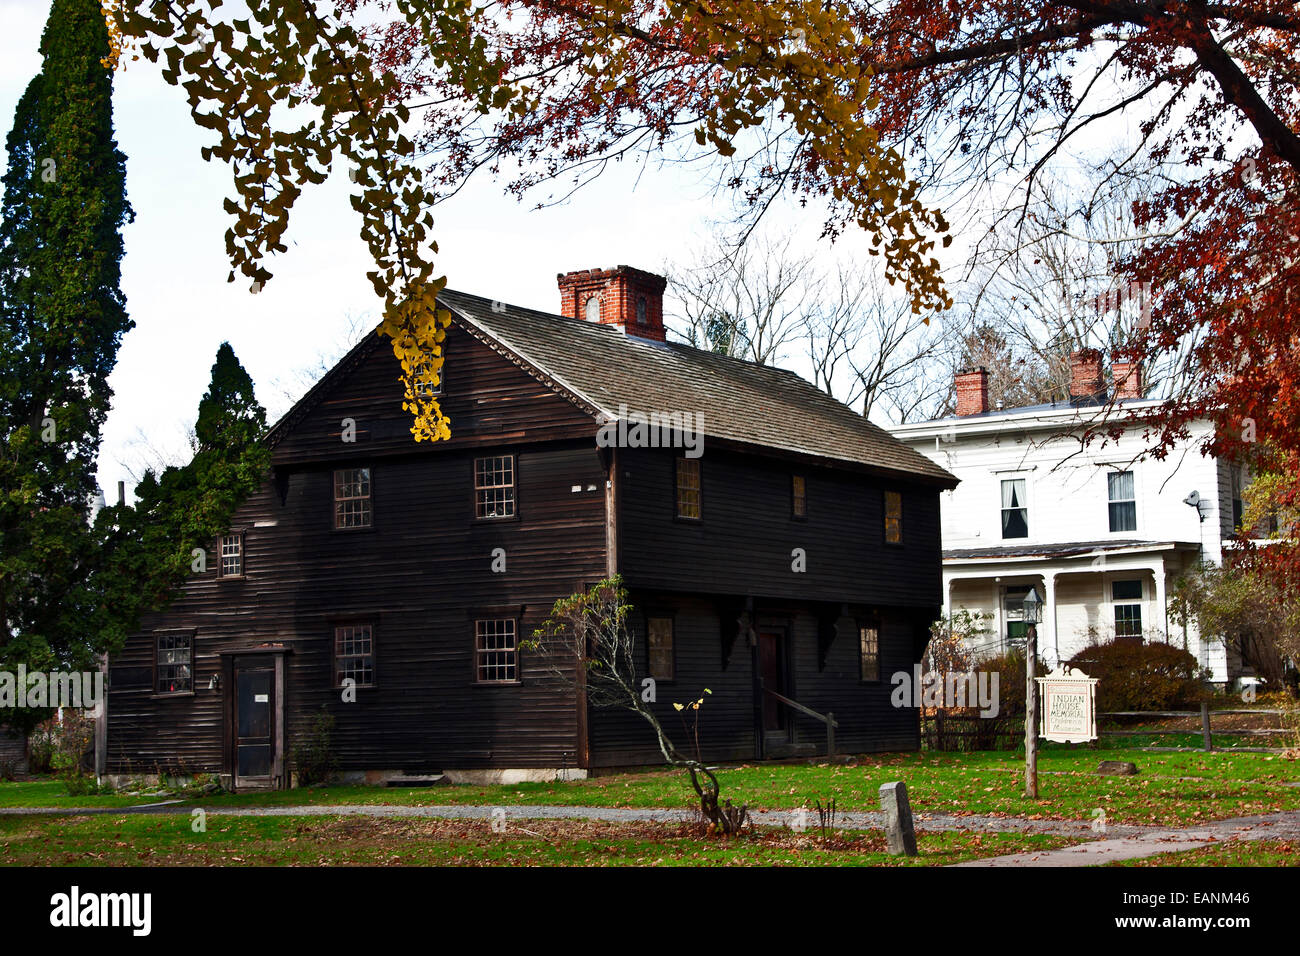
(62, 317)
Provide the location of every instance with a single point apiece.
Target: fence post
(1205, 726)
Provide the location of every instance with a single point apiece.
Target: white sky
(174, 272)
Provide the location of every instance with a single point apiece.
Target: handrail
(827, 718)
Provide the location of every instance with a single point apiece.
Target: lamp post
(1032, 608)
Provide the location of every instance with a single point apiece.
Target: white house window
(495, 651)
(1127, 596)
(1123, 506)
(494, 487)
(1015, 511)
(593, 309)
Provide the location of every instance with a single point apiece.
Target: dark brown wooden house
(796, 560)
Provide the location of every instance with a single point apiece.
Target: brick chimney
(1085, 374)
(972, 391)
(631, 299)
(1126, 379)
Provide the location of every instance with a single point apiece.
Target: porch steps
(420, 780)
(777, 746)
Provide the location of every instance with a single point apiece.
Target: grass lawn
(137, 840)
(1172, 789)
(1228, 853)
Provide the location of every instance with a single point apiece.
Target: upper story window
(354, 654)
(494, 487)
(424, 370)
(1015, 510)
(232, 556)
(1238, 503)
(495, 651)
(659, 642)
(869, 651)
(1127, 596)
(352, 498)
(798, 496)
(593, 308)
(893, 517)
(689, 495)
(174, 663)
(1123, 504)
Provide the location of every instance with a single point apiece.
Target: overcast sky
(174, 273)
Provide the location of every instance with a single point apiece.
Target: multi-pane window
(1127, 596)
(1015, 509)
(423, 372)
(354, 654)
(352, 498)
(495, 651)
(798, 496)
(893, 517)
(494, 487)
(173, 664)
(659, 641)
(232, 556)
(869, 650)
(688, 488)
(1123, 505)
(1013, 613)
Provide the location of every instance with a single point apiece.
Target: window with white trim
(1127, 598)
(1015, 509)
(494, 487)
(354, 654)
(1123, 502)
(232, 556)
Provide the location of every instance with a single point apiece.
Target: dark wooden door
(771, 667)
(254, 724)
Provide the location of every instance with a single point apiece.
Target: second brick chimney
(1126, 379)
(1085, 374)
(631, 299)
(972, 391)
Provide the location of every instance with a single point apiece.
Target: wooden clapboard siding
(417, 575)
(743, 544)
(424, 569)
(867, 719)
(487, 400)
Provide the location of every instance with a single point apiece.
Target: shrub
(40, 749)
(1141, 676)
(314, 757)
(74, 739)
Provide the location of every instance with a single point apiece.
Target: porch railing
(827, 718)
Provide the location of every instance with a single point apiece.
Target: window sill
(171, 696)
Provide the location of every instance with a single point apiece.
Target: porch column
(1049, 615)
(1162, 603)
(947, 597)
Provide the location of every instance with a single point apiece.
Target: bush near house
(1140, 676)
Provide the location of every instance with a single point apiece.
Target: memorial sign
(1069, 706)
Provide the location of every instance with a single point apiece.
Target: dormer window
(642, 311)
(593, 308)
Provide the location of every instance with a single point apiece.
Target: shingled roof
(601, 368)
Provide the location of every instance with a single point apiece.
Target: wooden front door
(771, 667)
(255, 724)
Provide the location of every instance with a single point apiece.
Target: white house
(1102, 532)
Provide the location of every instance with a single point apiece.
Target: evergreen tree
(62, 317)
